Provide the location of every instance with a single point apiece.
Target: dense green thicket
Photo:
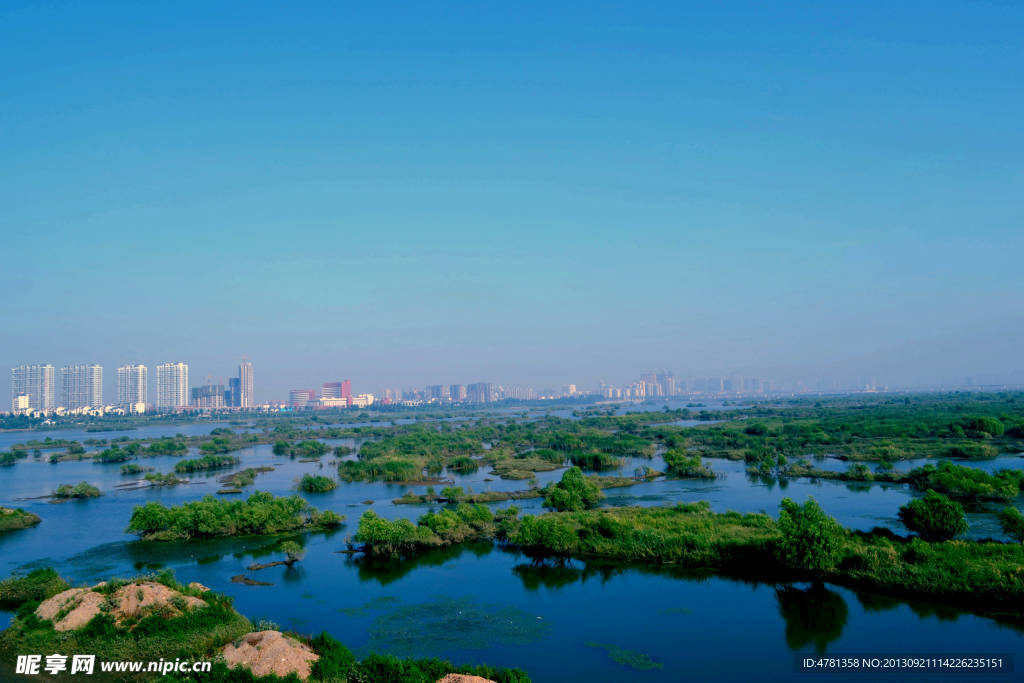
(934, 517)
(260, 514)
(37, 586)
(207, 462)
(686, 466)
(968, 483)
(573, 492)
(311, 483)
(1012, 522)
(301, 449)
(80, 490)
(885, 429)
(386, 468)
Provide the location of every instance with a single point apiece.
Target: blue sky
(530, 193)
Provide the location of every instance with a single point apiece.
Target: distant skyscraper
(457, 392)
(172, 386)
(481, 392)
(132, 385)
(342, 389)
(233, 395)
(81, 386)
(38, 383)
(300, 398)
(245, 399)
(208, 396)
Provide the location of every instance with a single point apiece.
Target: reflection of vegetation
(453, 624)
(815, 616)
(630, 658)
(260, 514)
(386, 570)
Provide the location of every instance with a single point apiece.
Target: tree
(573, 492)
(934, 517)
(1012, 522)
(293, 551)
(811, 540)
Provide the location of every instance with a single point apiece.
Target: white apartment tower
(171, 386)
(38, 383)
(245, 384)
(81, 386)
(132, 385)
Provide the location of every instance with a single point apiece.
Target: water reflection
(814, 616)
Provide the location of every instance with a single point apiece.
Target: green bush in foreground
(811, 540)
(934, 517)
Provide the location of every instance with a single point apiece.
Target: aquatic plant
(629, 658)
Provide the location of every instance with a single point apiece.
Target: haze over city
(440, 195)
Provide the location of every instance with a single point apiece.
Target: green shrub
(934, 517)
(811, 540)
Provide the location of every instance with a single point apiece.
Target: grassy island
(82, 489)
(207, 462)
(16, 518)
(314, 483)
(154, 617)
(259, 514)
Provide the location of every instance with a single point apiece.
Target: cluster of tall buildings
(332, 395)
(664, 384)
(33, 389)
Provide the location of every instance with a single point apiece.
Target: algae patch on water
(630, 658)
(446, 624)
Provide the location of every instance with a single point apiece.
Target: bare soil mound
(463, 678)
(270, 652)
(72, 609)
(76, 607)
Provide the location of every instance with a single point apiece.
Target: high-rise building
(437, 392)
(300, 398)
(38, 383)
(481, 392)
(81, 386)
(341, 389)
(457, 392)
(132, 386)
(233, 394)
(172, 386)
(245, 399)
(208, 396)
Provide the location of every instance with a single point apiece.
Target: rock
(463, 678)
(195, 585)
(270, 652)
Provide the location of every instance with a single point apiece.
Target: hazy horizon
(524, 195)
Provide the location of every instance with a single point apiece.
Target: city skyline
(34, 388)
